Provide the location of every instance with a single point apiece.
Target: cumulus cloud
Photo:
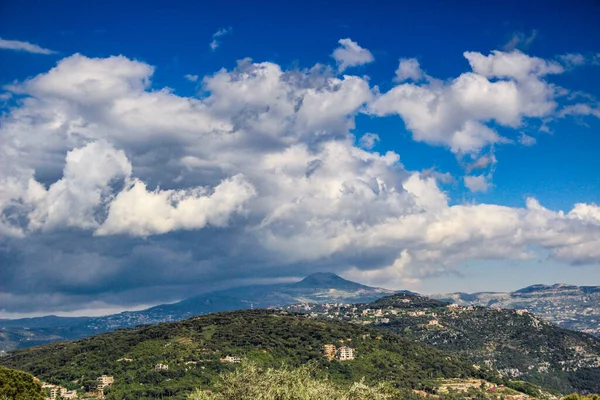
(368, 140)
(261, 177)
(409, 68)
(136, 211)
(191, 78)
(478, 183)
(350, 54)
(18, 45)
(503, 88)
(84, 198)
(72, 200)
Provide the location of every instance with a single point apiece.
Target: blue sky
(545, 137)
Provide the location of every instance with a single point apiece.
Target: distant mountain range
(568, 306)
(571, 307)
(409, 340)
(315, 288)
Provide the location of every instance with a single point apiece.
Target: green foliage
(251, 382)
(18, 385)
(517, 344)
(192, 349)
(576, 396)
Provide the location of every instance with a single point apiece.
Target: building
(54, 392)
(59, 391)
(161, 367)
(231, 359)
(104, 381)
(329, 351)
(416, 313)
(345, 353)
(68, 394)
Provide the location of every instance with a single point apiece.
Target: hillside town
(54, 392)
(568, 306)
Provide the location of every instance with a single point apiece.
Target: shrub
(250, 382)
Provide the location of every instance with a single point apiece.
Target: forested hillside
(517, 343)
(192, 350)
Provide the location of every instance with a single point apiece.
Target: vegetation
(389, 359)
(250, 382)
(518, 344)
(192, 349)
(18, 385)
(576, 396)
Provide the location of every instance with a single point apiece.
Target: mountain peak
(328, 280)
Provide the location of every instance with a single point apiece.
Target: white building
(345, 353)
(104, 381)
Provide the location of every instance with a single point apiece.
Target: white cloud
(572, 60)
(18, 45)
(191, 78)
(90, 81)
(263, 171)
(527, 140)
(409, 68)
(215, 43)
(478, 183)
(368, 140)
(481, 163)
(138, 212)
(73, 200)
(581, 109)
(514, 65)
(350, 54)
(504, 88)
(221, 32)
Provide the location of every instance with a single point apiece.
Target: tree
(18, 385)
(250, 382)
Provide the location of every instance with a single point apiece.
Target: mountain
(515, 342)
(315, 288)
(191, 354)
(569, 306)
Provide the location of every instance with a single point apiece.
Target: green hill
(315, 288)
(518, 344)
(18, 385)
(192, 349)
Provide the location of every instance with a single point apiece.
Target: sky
(152, 151)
